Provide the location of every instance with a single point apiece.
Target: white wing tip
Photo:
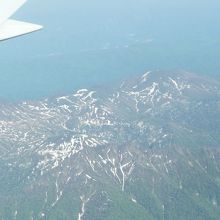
(13, 28)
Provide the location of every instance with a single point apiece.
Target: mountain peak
(87, 149)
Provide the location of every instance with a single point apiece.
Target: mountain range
(147, 149)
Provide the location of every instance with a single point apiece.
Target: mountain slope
(146, 150)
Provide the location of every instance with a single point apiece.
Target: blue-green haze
(89, 43)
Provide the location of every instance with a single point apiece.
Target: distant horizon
(111, 112)
(77, 49)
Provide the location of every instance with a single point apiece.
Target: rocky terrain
(149, 149)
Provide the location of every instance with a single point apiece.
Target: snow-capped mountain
(148, 149)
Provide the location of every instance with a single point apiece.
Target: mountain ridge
(149, 149)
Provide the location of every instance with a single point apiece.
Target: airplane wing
(12, 28)
(8, 8)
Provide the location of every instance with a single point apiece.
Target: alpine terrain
(148, 149)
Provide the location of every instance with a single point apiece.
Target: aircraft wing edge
(8, 8)
(13, 28)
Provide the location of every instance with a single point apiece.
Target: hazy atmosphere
(90, 43)
(111, 111)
